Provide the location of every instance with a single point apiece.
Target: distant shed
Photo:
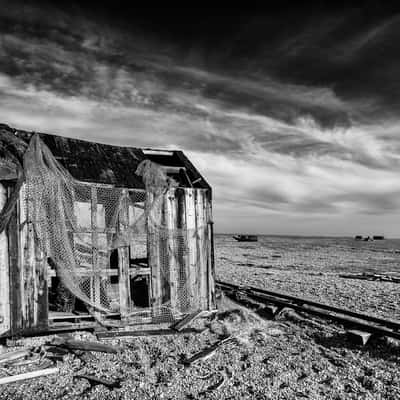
(87, 239)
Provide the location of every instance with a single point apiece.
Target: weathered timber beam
(14, 355)
(28, 375)
(343, 319)
(186, 320)
(94, 380)
(147, 332)
(84, 345)
(300, 301)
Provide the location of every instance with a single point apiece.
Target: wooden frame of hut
(27, 277)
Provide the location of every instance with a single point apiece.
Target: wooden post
(210, 253)
(193, 275)
(153, 251)
(15, 269)
(95, 284)
(170, 213)
(4, 273)
(201, 247)
(123, 262)
(184, 288)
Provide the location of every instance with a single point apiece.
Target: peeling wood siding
(123, 265)
(27, 274)
(193, 277)
(5, 323)
(14, 268)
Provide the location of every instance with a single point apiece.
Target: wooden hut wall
(5, 323)
(27, 274)
(178, 260)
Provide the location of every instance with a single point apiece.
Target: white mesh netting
(80, 227)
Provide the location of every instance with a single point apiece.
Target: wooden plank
(172, 249)
(84, 345)
(41, 298)
(29, 264)
(162, 231)
(15, 270)
(123, 264)
(210, 252)
(193, 276)
(201, 248)
(5, 323)
(146, 332)
(153, 252)
(28, 375)
(14, 355)
(184, 288)
(186, 321)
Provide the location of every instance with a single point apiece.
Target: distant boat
(368, 239)
(378, 237)
(246, 238)
(358, 237)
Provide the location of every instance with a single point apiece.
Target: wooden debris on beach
(372, 277)
(14, 355)
(145, 332)
(82, 345)
(208, 352)
(28, 375)
(94, 381)
(186, 320)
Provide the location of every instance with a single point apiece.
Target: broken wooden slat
(72, 344)
(207, 353)
(14, 355)
(94, 380)
(186, 321)
(193, 272)
(153, 251)
(202, 248)
(146, 332)
(172, 248)
(4, 273)
(28, 375)
(183, 272)
(123, 261)
(15, 270)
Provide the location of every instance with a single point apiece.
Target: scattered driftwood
(372, 277)
(186, 321)
(72, 344)
(94, 381)
(224, 377)
(28, 375)
(207, 353)
(146, 332)
(14, 355)
(34, 359)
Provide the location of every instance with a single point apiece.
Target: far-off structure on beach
(98, 234)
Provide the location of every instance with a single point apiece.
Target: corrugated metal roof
(109, 164)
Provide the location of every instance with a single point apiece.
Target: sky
(291, 114)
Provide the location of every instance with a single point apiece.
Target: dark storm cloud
(292, 113)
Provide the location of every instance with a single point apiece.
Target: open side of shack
(92, 233)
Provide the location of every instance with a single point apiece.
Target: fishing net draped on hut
(80, 227)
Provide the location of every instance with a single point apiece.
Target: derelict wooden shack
(85, 239)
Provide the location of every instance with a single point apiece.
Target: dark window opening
(140, 291)
(114, 279)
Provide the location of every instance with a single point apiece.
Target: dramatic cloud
(294, 123)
